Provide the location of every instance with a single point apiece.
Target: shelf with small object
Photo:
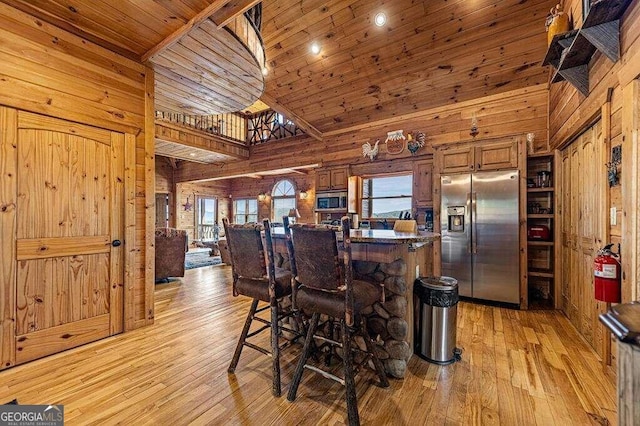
(540, 229)
(569, 53)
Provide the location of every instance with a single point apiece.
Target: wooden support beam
(300, 172)
(173, 163)
(176, 134)
(177, 35)
(232, 9)
(308, 128)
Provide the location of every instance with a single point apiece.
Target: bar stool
(327, 287)
(261, 281)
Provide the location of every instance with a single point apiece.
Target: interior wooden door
(581, 223)
(70, 226)
(565, 223)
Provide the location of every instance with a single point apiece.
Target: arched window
(283, 198)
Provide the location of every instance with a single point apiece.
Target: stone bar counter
(395, 259)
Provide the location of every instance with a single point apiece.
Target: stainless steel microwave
(331, 201)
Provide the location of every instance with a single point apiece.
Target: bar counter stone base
(386, 322)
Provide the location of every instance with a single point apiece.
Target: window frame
(199, 212)
(275, 197)
(246, 214)
(397, 197)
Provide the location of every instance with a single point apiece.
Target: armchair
(171, 247)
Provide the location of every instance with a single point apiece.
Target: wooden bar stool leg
(349, 381)
(293, 389)
(275, 350)
(243, 336)
(384, 382)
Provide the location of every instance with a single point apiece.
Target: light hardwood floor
(517, 368)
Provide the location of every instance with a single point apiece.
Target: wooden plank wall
(570, 111)
(164, 175)
(250, 188)
(217, 189)
(46, 70)
(513, 113)
(165, 185)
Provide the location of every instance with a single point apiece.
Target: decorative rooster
(371, 152)
(413, 145)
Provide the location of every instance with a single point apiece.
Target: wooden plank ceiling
(429, 54)
(200, 67)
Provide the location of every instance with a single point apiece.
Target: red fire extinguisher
(607, 275)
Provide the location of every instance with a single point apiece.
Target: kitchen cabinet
(332, 179)
(486, 156)
(423, 183)
(495, 156)
(454, 160)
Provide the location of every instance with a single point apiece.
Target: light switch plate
(613, 213)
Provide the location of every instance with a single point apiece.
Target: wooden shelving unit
(540, 243)
(569, 53)
(540, 253)
(540, 189)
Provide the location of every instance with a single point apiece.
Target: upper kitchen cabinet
(332, 179)
(476, 157)
(494, 156)
(423, 183)
(454, 160)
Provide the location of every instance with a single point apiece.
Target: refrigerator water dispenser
(455, 219)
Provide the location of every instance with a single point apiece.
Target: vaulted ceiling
(207, 57)
(430, 53)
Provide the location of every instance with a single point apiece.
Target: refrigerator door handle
(474, 221)
(467, 218)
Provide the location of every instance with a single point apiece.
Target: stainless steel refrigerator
(480, 235)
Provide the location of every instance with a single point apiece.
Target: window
(283, 198)
(245, 210)
(206, 218)
(386, 196)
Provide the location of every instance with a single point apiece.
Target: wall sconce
(474, 126)
(262, 196)
(187, 206)
(304, 195)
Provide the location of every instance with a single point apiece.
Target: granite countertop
(389, 236)
(379, 236)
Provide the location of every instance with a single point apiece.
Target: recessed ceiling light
(380, 19)
(315, 48)
(193, 154)
(265, 71)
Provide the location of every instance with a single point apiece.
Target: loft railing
(259, 128)
(254, 15)
(269, 125)
(230, 125)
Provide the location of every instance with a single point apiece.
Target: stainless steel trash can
(435, 319)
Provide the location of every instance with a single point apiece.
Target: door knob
(116, 243)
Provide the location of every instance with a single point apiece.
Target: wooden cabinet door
(423, 183)
(456, 160)
(323, 180)
(339, 178)
(70, 207)
(495, 156)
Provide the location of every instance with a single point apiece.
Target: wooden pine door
(70, 209)
(581, 222)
